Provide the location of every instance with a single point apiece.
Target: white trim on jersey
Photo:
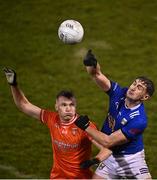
(135, 113)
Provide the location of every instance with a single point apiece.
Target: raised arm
(93, 68)
(19, 98)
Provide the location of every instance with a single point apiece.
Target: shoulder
(139, 115)
(135, 126)
(116, 89)
(47, 115)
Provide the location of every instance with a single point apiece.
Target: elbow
(22, 105)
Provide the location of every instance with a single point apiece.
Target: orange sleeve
(46, 116)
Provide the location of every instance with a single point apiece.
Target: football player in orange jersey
(71, 145)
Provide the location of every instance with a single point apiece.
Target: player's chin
(129, 96)
(132, 98)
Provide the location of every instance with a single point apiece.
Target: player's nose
(67, 108)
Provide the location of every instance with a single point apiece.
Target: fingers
(89, 51)
(5, 70)
(90, 59)
(8, 70)
(10, 75)
(90, 54)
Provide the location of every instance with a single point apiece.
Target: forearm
(103, 154)
(99, 137)
(116, 138)
(101, 80)
(23, 104)
(18, 96)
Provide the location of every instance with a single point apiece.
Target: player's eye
(63, 104)
(140, 87)
(72, 104)
(134, 83)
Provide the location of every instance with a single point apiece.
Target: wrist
(88, 129)
(13, 84)
(85, 127)
(96, 160)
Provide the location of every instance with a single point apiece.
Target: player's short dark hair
(149, 84)
(65, 93)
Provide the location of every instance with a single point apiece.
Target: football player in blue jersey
(123, 127)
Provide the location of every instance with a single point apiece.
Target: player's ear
(56, 107)
(145, 97)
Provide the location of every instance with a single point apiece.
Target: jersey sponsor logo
(111, 122)
(64, 146)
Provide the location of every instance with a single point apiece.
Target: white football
(70, 32)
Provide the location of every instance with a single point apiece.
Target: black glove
(88, 163)
(11, 76)
(82, 122)
(90, 59)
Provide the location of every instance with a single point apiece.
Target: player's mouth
(130, 93)
(68, 115)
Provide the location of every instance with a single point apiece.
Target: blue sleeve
(116, 90)
(114, 85)
(134, 128)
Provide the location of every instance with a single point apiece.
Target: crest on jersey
(64, 131)
(124, 121)
(74, 131)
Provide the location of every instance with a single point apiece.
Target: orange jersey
(70, 146)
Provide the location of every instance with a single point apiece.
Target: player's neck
(129, 103)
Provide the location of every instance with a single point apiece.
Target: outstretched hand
(90, 59)
(82, 122)
(11, 76)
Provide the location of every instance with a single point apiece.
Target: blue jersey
(132, 122)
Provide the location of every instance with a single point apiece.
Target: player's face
(137, 91)
(66, 108)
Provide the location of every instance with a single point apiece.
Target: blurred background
(122, 35)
